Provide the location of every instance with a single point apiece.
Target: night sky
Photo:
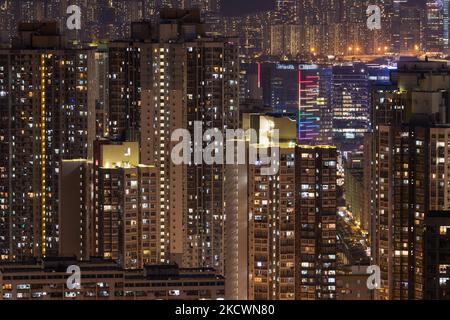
(239, 7)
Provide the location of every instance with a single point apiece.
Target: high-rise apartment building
(285, 40)
(75, 209)
(350, 104)
(286, 11)
(109, 207)
(355, 193)
(271, 214)
(47, 103)
(396, 13)
(195, 81)
(204, 6)
(316, 221)
(126, 207)
(410, 152)
(173, 76)
(409, 188)
(437, 26)
(437, 256)
(127, 74)
(102, 92)
(352, 284)
(339, 27)
(7, 19)
(292, 219)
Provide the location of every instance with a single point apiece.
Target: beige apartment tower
(126, 211)
(172, 75)
(292, 219)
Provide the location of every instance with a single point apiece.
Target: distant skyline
(240, 7)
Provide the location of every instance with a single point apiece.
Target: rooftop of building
(423, 65)
(170, 15)
(173, 26)
(97, 264)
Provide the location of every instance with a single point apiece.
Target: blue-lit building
(350, 104)
(437, 26)
(332, 104)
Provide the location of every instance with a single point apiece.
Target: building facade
(410, 156)
(105, 280)
(48, 117)
(292, 222)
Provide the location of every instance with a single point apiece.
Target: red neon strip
(259, 74)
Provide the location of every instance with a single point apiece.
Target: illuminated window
(443, 230)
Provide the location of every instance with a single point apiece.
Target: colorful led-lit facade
(303, 90)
